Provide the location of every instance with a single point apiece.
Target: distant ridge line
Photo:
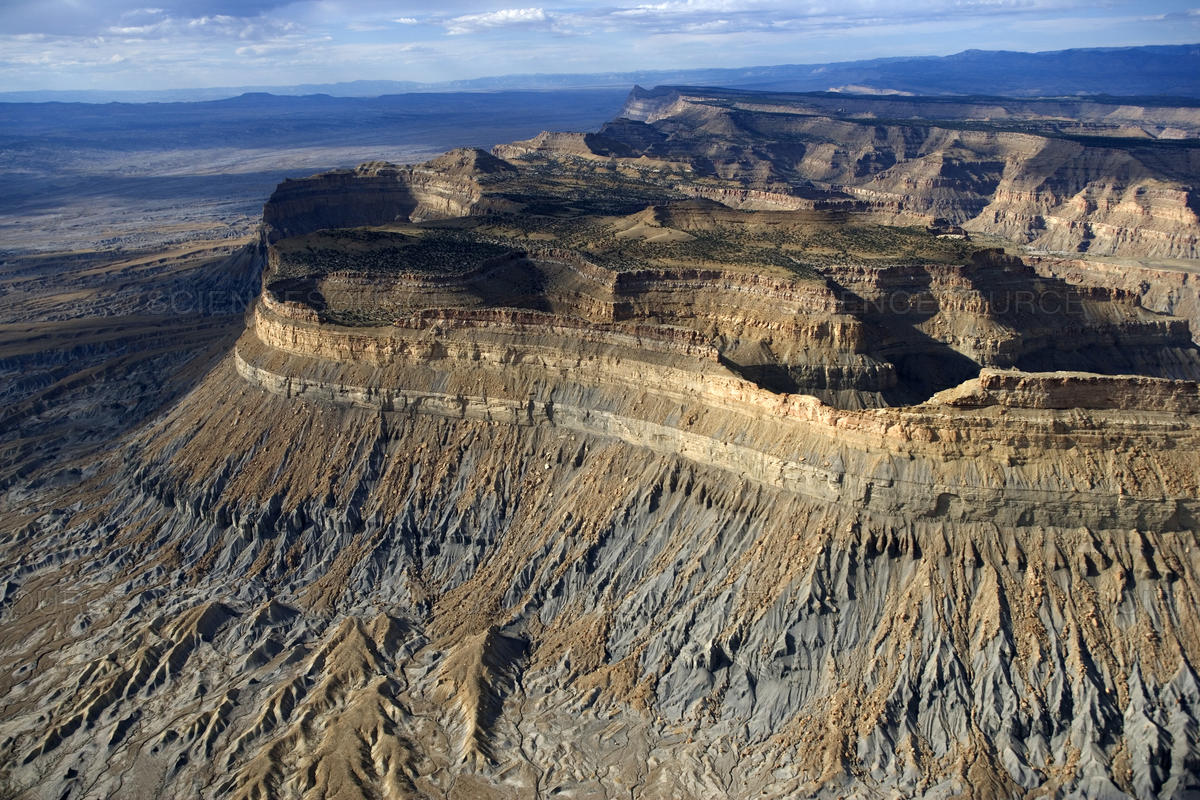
(1143, 72)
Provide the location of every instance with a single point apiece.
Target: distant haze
(173, 44)
(1165, 70)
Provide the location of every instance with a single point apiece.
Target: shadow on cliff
(924, 365)
(1040, 324)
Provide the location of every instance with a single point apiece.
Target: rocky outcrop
(1019, 173)
(377, 193)
(787, 441)
(996, 312)
(1015, 173)
(857, 335)
(588, 513)
(1066, 390)
(573, 144)
(758, 200)
(683, 339)
(794, 333)
(1163, 287)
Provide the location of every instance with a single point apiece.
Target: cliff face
(1019, 173)
(1024, 174)
(454, 568)
(851, 335)
(996, 312)
(1165, 288)
(497, 370)
(680, 501)
(377, 193)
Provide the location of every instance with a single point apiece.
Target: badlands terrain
(752, 445)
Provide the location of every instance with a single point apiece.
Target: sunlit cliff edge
(619, 465)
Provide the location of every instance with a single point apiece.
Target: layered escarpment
(503, 549)
(1083, 116)
(289, 594)
(1022, 176)
(676, 360)
(1018, 174)
(1166, 287)
(996, 311)
(953, 457)
(771, 329)
(1068, 390)
(676, 500)
(852, 335)
(376, 193)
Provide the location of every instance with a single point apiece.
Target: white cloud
(149, 41)
(219, 26)
(711, 26)
(139, 30)
(62, 43)
(260, 50)
(733, 17)
(504, 18)
(690, 7)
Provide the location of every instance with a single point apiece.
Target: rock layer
(441, 591)
(377, 192)
(542, 523)
(969, 163)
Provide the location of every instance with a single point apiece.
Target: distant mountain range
(1161, 70)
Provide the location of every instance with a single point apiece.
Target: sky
(168, 44)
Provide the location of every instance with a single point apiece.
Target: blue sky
(162, 44)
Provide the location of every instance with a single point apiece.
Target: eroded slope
(597, 491)
(1027, 172)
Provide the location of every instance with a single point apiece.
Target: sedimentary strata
(513, 486)
(1031, 172)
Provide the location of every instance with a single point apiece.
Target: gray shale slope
(494, 554)
(354, 603)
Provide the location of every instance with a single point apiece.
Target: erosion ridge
(1121, 181)
(544, 473)
(1040, 172)
(858, 334)
(543, 335)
